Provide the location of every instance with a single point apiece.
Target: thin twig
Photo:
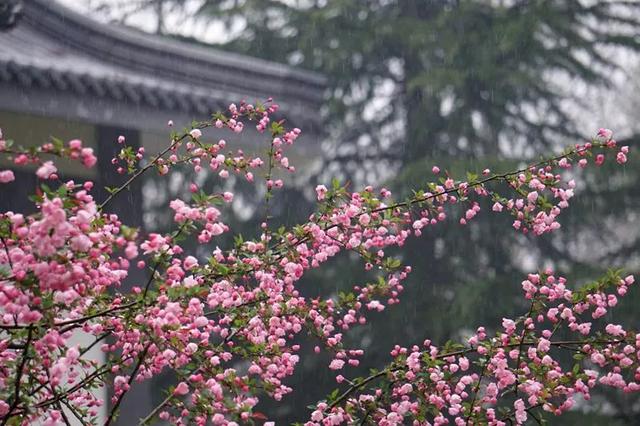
(6, 249)
(559, 344)
(522, 337)
(153, 162)
(115, 407)
(155, 411)
(19, 373)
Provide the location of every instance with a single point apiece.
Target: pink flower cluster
(469, 383)
(47, 170)
(226, 325)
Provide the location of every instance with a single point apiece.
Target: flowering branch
(62, 271)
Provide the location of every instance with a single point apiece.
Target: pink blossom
(621, 158)
(615, 330)
(336, 364)
(6, 176)
(321, 191)
(181, 389)
(508, 325)
(88, 158)
(605, 134)
(196, 133)
(521, 413)
(190, 262)
(46, 170)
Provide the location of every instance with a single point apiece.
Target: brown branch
(84, 382)
(559, 344)
(510, 414)
(157, 264)
(524, 334)
(415, 200)
(72, 321)
(131, 378)
(19, 373)
(6, 250)
(92, 316)
(155, 411)
(361, 384)
(491, 178)
(476, 390)
(153, 162)
(57, 404)
(90, 378)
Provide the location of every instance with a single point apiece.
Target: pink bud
(181, 389)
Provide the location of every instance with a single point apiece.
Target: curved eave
(178, 61)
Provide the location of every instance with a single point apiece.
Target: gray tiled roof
(55, 48)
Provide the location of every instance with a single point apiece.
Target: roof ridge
(57, 50)
(95, 37)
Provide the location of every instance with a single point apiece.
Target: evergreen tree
(416, 78)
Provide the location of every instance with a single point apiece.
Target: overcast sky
(146, 20)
